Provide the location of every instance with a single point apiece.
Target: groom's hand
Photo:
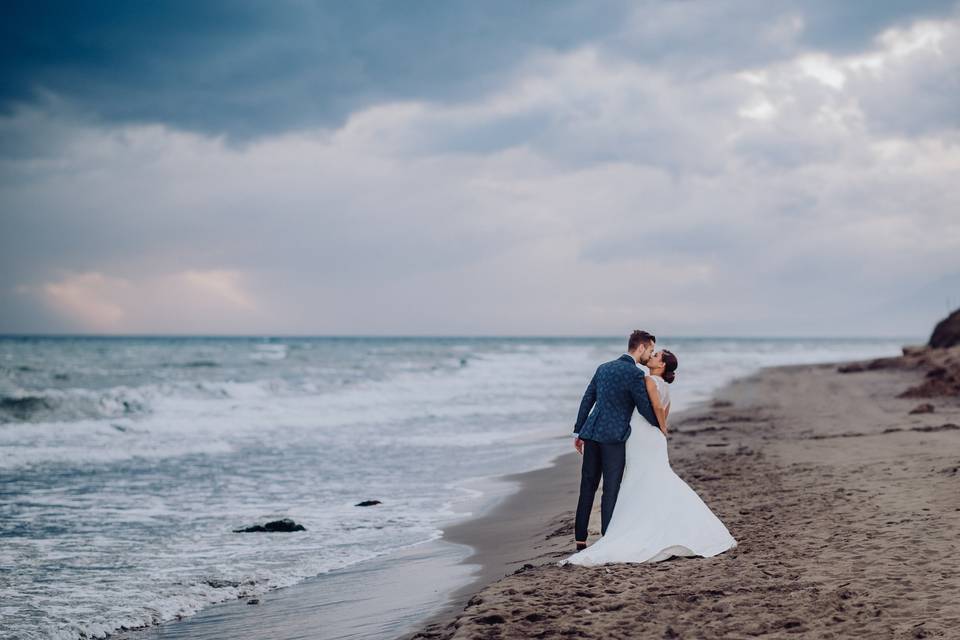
(578, 445)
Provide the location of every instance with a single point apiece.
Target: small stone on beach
(277, 525)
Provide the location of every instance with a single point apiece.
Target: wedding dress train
(657, 515)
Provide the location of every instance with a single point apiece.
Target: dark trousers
(599, 459)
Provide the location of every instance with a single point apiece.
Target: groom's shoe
(581, 546)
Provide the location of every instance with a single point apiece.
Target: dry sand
(846, 509)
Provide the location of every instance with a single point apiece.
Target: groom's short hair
(639, 337)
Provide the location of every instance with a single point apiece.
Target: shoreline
(481, 561)
(407, 587)
(544, 506)
(845, 506)
(500, 539)
(333, 605)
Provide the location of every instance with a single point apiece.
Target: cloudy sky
(464, 167)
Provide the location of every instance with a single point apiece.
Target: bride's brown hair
(670, 366)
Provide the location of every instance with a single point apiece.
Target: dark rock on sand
(941, 365)
(220, 584)
(367, 503)
(943, 374)
(884, 363)
(947, 332)
(926, 407)
(853, 367)
(943, 427)
(277, 525)
(871, 365)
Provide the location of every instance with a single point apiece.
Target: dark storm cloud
(245, 69)
(845, 27)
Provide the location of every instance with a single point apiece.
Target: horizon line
(451, 336)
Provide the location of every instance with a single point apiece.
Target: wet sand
(845, 506)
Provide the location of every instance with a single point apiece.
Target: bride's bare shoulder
(652, 382)
(658, 383)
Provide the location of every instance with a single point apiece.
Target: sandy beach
(844, 499)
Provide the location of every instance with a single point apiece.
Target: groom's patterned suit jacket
(616, 388)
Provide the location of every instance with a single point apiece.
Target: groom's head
(640, 345)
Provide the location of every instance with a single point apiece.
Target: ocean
(126, 462)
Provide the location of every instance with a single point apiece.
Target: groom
(616, 388)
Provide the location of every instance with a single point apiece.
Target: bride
(657, 515)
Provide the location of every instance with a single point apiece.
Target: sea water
(127, 462)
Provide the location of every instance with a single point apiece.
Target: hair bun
(669, 366)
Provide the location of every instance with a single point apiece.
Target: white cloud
(821, 67)
(759, 109)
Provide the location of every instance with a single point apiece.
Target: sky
(782, 168)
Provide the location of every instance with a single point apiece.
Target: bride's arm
(658, 409)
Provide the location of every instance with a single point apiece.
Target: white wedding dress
(657, 515)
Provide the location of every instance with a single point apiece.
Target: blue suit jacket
(617, 388)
